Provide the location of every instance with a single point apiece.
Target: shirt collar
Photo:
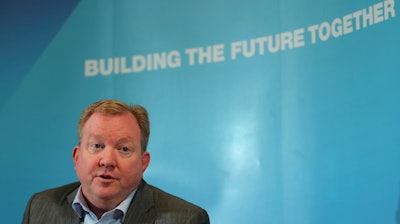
(81, 208)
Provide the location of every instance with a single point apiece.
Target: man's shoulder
(58, 194)
(52, 206)
(156, 205)
(165, 199)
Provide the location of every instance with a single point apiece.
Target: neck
(96, 210)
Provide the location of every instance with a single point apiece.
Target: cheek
(80, 168)
(131, 169)
(84, 165)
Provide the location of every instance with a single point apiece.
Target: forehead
(115, 124)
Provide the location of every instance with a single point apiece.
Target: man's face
(109, 162)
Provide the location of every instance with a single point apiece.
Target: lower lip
(104, 180)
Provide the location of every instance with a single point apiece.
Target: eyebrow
(119, 141)
(125, 139)
(96, 137)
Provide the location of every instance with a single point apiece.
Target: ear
(145, 161)
(75, 154)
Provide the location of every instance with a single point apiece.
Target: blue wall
(261, 111)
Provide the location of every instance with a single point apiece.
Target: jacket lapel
(69, 214)
(141, 209)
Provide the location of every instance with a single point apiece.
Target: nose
(107, 158)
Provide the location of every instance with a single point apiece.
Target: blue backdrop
(261, 111)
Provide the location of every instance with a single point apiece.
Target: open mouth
(107, 177)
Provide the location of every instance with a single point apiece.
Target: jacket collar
(139, 211)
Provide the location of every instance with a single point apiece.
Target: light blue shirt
(115, 216)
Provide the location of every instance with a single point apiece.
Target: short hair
(116, 107)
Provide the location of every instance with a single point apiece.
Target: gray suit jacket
(150, 205)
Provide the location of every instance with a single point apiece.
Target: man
(110, 161)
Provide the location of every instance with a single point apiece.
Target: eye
(125, 151)
(96, 147)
